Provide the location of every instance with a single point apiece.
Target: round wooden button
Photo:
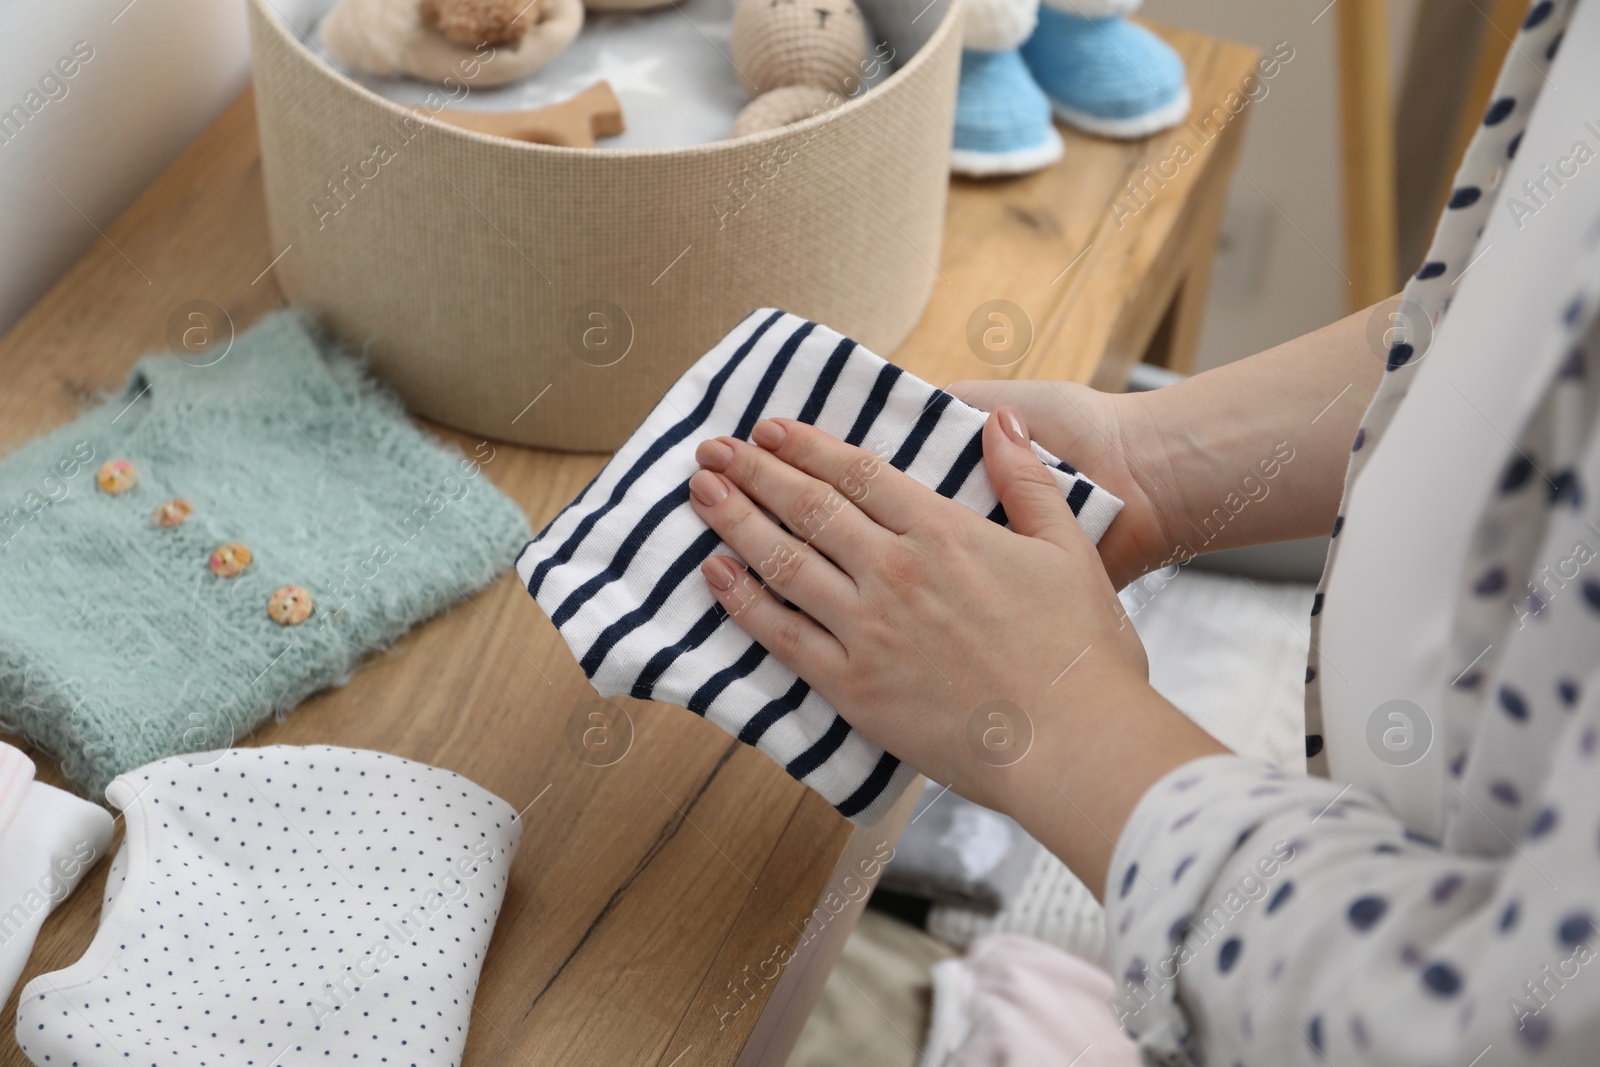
(117, 476)
(290, 606)
(174, 512)
(230, 560)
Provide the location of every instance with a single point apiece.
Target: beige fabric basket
(482, 274)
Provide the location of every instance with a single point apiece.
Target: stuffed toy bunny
(490, 42)
(803, 56)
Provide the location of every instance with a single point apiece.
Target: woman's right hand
(1111, 438)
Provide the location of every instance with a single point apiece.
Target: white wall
(1272, 282)
(160, 72)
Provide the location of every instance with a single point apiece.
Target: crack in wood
(667, 832)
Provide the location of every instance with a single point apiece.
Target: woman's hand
(1112, 439)
(916, 614)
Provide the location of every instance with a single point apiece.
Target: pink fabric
(1012, 1001)
(16, 772)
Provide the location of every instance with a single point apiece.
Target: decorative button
(290, 606)
(230, 560)
(174, 512)
(117, 476)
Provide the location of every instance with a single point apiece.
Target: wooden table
(648, 896)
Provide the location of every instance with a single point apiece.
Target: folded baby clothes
(956, 852)
(220, 541)
(283, 905)
(617, 570)
(49, 839)
(1013, 1000)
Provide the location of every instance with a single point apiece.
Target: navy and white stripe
(617, 570)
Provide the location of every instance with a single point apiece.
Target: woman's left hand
(915, 612)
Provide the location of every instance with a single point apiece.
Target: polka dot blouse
(1430, 894)
(283, 905)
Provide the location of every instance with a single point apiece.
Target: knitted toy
(1102, 73)
(1002, 116)
(801, 59)
(488, 42)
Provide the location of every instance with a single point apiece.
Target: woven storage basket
(480, 273)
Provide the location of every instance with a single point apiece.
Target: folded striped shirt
(617, 570)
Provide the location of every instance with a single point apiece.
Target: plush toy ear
(371, 35)
(470, 23)
(392, 37)
(432, 58)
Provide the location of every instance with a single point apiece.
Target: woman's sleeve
(1264, 918)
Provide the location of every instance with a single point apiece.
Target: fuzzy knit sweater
(119, 645)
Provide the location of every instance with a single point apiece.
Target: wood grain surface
(1098, 250)
(649, 896)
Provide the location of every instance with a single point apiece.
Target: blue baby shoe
(1002, 118)
(1103, 74)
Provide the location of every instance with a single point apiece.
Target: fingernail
(1011, 423)
(708, 488)
(768, 434)
(713, 455)
(719, 572)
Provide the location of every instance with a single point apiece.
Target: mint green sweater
(118, 646)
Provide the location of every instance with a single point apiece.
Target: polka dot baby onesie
(618, 570)
(283, 905)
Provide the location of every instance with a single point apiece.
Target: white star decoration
(625, 75)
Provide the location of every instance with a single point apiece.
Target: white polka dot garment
(1441, 908)
(283, 905)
